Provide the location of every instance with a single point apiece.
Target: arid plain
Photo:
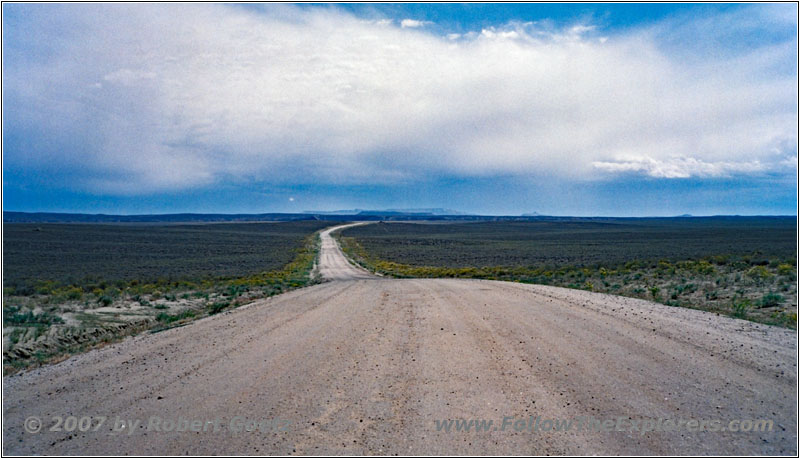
(368, 365)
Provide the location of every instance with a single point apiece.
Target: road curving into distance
(333, 265)
(368, 365)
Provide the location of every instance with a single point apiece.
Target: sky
(498, 109)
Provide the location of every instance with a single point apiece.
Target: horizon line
(396, 212)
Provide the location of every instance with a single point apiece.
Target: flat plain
(739, 266)
(368, 365)
(85, 254)
(68, 287)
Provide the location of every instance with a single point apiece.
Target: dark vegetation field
(741, 266)
(580, 244)
(89, 254)
(68, 287)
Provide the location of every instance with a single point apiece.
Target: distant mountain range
(421, 211)
(53, 217)
(341, 215)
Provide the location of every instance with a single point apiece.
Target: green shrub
(15, 335)
(704, 267)
(74, 293)
(28, 318)
(666, 267)
(788, 319)
(770, 299)
(105, 300)
(235, 290)
(654, 292)
(165, 318)
(759, 272)
(44, 287)
(218, 307)
(740, 307)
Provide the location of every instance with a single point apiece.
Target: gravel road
(367, 365)
(332, 263)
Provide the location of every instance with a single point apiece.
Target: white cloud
(192, 95)
(581, 29)
(128, 77)
(680, 167)
(412, 23)
(493, 33)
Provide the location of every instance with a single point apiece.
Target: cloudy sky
(562, 109)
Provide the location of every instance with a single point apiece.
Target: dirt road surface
(367, 365)
(332, 263)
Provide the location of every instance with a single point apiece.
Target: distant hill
(421, 211)
(431, 211)
(333, 212)
(356, 214)
(364, 215)
(52, 217)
